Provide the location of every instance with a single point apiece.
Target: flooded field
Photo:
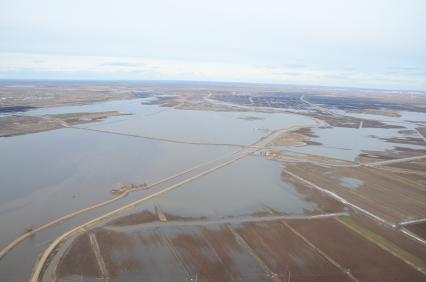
(77, 168)
(202, 126)
(206, 186)
(348, 143)
(251, 185)
(394, 197)
(274, 251)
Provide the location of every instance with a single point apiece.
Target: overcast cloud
(358, 43)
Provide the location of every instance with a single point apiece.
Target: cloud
(405, 68)
(294, 66)
(123, 64)
(16, 65)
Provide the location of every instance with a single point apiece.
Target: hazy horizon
(359, 44)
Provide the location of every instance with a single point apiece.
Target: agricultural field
(212, 182)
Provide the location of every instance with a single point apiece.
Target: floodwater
(46, 175)
(183, 125)
(350, 182)
(202, 126)
(409, 120)
(49, 174)
(243, 188)
(187, 253)
(347, 143)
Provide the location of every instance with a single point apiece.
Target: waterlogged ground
(184, 125)
(248, 186)
(201, 126)
(347, 143)
(49, 174)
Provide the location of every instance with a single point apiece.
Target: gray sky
(361, 43)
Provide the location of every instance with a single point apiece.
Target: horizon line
(270, 84)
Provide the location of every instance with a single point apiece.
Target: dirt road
(396, 161)
(233, 220)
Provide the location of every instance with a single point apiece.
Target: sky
(355, 43)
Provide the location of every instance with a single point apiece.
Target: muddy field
(135, 218)
(418, 228)
(393, 197)
(86, 263)
(19, 125)
(403, 244)
(142, 243)
(396, 153)
(422, 131)
(289, 139)
(415, 170)
(288, 255)
(295, 250)
(349, 121)
(363, 258)
(25, 95)
(406, 140)
(379, 112)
